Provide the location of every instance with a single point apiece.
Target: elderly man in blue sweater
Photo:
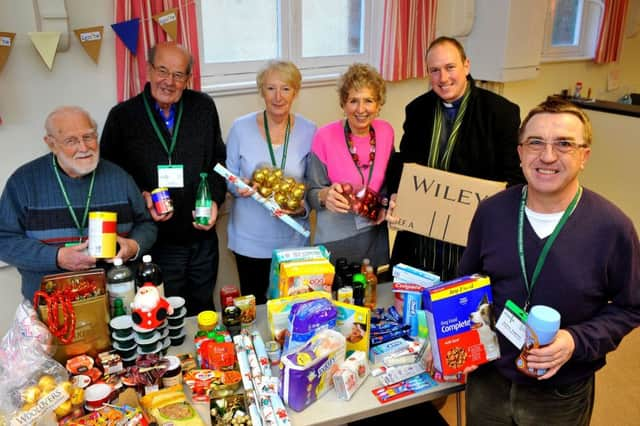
(45, 204)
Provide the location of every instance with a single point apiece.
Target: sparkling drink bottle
(149, 272)
(120, 286)
(203, 201)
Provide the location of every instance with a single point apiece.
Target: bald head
(172, 48)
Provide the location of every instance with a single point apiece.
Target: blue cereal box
(461, 324)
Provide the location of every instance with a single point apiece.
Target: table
(329, 410)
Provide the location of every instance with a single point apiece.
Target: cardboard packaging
(351, 374)
(439, 204)
(461, 324)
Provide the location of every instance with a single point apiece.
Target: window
(322, 37)
(571, 29)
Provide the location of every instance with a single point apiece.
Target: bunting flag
(91, 40)
(168, 20)
(46, 43)
(6, 43)
(128, 32)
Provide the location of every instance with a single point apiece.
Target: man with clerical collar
(551, 242)
(165, 137)
(45, 204)
(456, 127)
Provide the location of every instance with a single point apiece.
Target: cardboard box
(351, 374)
(461, 327)
(354, 322)
(439, 204)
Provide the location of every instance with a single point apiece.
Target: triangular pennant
(128, 32)
(6, 43)
(91, 40)
(46, 43)
(168, 20)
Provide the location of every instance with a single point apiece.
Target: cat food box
(461, 324)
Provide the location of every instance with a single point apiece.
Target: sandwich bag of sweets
(34, 386)
(74, 306)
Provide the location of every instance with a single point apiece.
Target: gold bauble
(67, 386)
(47, 383)
(63, 409)
(265, 191)
(278, 173)
(281, 199)
(293, 204)
(258, 176)
(77, 396)
(31, 394)
(297, 193)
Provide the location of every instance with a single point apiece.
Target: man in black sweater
(165, 137)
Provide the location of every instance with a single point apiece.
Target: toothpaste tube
(376, 340)
(398, 373)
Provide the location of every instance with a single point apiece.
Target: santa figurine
(148, 309)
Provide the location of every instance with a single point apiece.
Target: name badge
(171, 176)
(513, 324)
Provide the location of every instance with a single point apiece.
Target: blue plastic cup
(545, 322)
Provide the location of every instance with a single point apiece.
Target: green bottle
(203, 201)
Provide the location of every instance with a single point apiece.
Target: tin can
(102, 234)
(227, 294)
(162, 201)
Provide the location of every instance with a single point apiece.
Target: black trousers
(254, 276)
(189, 272)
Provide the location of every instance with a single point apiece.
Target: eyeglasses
(563, 147)
(179, 77)
(74, 141)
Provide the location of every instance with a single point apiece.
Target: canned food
(162, 201)
(102, 234)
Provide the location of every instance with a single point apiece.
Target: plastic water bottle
(120, 286)
(543, 324)
(149, 272)
(203, 201)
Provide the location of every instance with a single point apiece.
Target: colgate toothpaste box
(461, 324)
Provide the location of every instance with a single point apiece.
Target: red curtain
(132, 70)
(612, 30)
(409, 27)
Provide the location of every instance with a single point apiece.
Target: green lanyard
(547, 246)
(80, 227)
(372, 140)
(287, 132)
(176, 127)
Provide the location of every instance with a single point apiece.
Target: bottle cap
(117, 262)
(207, 320)
(545, 321)
(359, 278)
(146, 258)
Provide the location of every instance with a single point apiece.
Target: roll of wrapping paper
(261, 352)
(243, 363)
(267, 203)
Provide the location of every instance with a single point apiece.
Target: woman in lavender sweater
(274, 137)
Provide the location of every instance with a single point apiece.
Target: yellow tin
(103, 228)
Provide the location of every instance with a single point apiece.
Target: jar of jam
(231, 319)
(227, 294)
